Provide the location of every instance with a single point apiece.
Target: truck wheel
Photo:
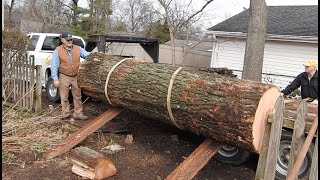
(232, 155)
(52, 93)
(284, 155)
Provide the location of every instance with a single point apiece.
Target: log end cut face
(265, 108)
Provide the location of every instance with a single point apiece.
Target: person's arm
(55, 62)
(293, 85)
(84, 53)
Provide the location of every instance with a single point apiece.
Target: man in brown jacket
(66, 61)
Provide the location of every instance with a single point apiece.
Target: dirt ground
(157, 149)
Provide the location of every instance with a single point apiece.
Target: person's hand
(314, 102)
(56, 83)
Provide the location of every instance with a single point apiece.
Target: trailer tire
(232, 155)
(284, 155)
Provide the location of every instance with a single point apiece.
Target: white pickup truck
(41, 47)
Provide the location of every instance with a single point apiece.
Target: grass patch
(8, 156)
(22, 130)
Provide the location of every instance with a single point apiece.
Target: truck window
(33, 43)
(50, 43)
(78, 42)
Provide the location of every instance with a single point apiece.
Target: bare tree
(179, 18)
(171, 31)
(46, 15)
(134, 14)
(100, 10)
(257, 27)
(10, 10)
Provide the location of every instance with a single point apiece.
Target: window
(33, 43)
(50, 43)
(78, 42)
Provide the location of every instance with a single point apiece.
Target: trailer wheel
(232, 155)
(284, 155)
(52, 93)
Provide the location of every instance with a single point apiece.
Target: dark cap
(66, 35)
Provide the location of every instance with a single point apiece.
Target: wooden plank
(75, 138)
(13, 83)
(298, 134)
(38, 89)
(28, 83)
(29, 87)
(292, 114)
(312, 108)
(314, 166)
(32, 82)
(297, 164)
(289, 123)
(196, 161)
(16, 91)
(263, 154)
(16, 81)
(19, 83)
(275, 135)
(23, 81)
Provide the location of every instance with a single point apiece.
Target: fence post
(37, 107)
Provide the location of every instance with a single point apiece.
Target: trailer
(235, 156)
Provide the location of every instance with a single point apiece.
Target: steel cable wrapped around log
(228, 109)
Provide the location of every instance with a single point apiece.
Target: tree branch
(66, 4)
(203, 7)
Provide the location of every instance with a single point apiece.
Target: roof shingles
(282, 20)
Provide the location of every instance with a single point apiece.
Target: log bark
(227, 109)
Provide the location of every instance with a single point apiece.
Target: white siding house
(286, 48)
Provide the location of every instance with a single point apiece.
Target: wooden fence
(21, 82)
(299, 145)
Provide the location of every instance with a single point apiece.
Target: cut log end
(265, 108)
(104, 168)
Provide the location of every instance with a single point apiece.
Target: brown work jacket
(68, 67)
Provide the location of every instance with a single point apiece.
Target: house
(189, 53)
(291, 39)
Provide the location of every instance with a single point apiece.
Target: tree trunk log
(230, 110)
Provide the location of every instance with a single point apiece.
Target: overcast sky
(223, 9)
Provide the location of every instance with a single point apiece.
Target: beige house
(188, 53)
(191, 53)
(291, 39)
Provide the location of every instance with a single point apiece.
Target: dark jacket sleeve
(295, 84)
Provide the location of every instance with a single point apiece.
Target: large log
(227, 109)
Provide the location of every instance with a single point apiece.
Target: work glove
(314, 102)
(56, 83)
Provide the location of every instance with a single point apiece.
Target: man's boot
(80, 116)
(64, 116)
